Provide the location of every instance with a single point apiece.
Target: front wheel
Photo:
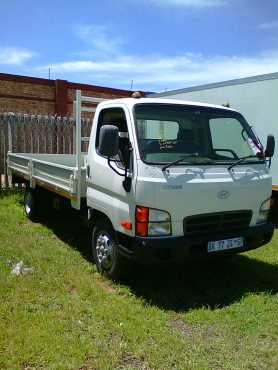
(106, 255)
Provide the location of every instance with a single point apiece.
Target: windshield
(199, 135)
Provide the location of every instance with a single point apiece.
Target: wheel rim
(105, 250)
(28, 203)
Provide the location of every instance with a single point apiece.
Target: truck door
(105, 190)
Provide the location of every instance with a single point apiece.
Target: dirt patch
(129, 361)
(191, 330)
(87, 364)
(86, 367)
(30, 366)
(72, 290)
(106, 287)
(185, 329)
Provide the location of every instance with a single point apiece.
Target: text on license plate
(221, 245)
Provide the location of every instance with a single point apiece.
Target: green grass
(215, 315)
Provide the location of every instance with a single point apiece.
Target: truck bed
(55, 172)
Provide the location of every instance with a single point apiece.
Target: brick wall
(21, 94)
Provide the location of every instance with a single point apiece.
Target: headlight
(159, 228)
(264, 212)
(156, 215)
(152, 222)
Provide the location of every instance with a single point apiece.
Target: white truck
(162, 180)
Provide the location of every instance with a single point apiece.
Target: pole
(78, 145)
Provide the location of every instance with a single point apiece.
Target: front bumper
(182, 247)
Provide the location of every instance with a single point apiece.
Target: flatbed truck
(163, 180)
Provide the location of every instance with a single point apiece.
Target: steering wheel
(227, 150)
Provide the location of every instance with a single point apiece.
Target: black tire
(107, 257)
(31, 208)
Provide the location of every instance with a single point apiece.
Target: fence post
(6, 145)
(10, 138)
(1, 149)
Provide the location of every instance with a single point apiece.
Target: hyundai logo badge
(223, 194)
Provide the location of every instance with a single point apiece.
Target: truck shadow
(211, 283)
(71, 229)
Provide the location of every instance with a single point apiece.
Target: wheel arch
(95, 215)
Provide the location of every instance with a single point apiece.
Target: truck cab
(169, 180)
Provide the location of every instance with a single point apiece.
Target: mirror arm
(109, 161)
(127, 182)
(128, 179)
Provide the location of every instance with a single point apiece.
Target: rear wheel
(106, 255)
(31, 204)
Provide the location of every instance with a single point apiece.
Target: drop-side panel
(55, 172)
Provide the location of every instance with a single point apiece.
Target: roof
(70, 85)
(238, 81)
(133, 101)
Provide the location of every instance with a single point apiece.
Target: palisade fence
(23, 133)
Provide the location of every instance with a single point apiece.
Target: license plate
(221, 245)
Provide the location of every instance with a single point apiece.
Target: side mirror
(108, 141)
(270, 146)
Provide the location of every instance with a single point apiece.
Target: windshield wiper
(240, 160)
(164, 168)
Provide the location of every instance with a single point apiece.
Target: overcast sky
(159, 44)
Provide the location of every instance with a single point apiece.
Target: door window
(116, 117)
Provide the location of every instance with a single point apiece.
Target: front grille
(217, 222)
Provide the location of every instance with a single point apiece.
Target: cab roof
(130, 102)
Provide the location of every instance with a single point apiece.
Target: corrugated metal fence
(24, 133)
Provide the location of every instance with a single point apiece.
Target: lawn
(64, 315)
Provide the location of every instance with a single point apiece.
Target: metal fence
(23, 133)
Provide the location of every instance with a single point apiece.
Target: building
(255, 97)
(22, 94)
(226, 91)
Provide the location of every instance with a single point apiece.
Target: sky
(153, 45)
